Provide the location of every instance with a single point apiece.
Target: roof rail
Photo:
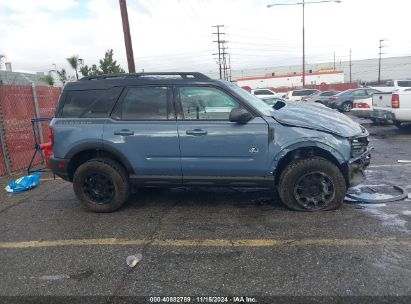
(183, 75)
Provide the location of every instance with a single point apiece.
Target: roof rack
(183, 75)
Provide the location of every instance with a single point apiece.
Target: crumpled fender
(303, 144)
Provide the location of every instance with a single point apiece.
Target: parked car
(298, 95)
(362, 108)
(271, 101)
(320, 96)
(263, 93)
(173, 129)
(395, 107)
(343, 101)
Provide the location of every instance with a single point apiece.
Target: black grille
(359, 145)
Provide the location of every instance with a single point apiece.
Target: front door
(213, 149)
(143, 129)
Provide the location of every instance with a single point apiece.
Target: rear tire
(346, 106)
(313, 184)
(101, 185)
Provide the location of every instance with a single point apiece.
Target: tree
(89, 71)
(73, 61)
(48, 79)
(62, 75)
(107, 66)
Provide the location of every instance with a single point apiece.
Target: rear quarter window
(88, 103)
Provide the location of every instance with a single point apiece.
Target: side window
(358, 93)
(371, 92)
(146, 103)
(206, 103)
(89, 103)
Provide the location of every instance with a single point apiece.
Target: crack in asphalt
(29, 199)
(152, 238)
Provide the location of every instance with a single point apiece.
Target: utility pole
(379, 60)
(127, 37)
(350, 67)
(229, 66)
(219, 42)
(224, 59)
(334, 61)
(303, 3)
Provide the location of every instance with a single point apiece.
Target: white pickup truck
(392, 106)
(395, 85)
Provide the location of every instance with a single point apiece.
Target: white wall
(292, 81)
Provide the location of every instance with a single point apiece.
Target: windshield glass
(254, 101)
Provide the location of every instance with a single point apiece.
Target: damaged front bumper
(356, 167)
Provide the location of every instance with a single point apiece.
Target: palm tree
(73, 61)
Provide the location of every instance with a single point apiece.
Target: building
(292, 80)
(365, 70)
(18, 78)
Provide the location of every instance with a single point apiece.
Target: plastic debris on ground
(375, 194)
(23, 183)
(133, 260)
(403, 161)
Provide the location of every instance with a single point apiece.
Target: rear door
(143, 129)
(213, 149)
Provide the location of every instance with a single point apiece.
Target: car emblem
(253, 150)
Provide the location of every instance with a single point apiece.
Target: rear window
(330, 93)
(343, 93)
(404, 83)
(263, 92)
(88, 103)
(304, 92)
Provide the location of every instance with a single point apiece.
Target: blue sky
(177, 34)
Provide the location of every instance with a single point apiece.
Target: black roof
(161, 78)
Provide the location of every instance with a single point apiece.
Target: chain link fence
(18, 105)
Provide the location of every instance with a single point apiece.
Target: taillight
(361, 105)
(51, 136)
(333, 98)
(395, 101)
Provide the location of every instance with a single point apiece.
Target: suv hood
(318, 117)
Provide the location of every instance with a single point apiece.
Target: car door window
(146, 103)
(371, 92)
(359, 93)
(206, 103)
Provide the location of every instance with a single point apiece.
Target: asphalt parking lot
(202, 242)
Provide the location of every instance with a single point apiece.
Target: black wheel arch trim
(99, 146)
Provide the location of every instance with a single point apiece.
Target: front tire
(101, 185)
(313, 184)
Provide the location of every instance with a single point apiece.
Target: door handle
(196, 132)
(124, 132)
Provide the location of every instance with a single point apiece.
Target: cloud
(177, 34)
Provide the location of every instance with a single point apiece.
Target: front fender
(337, 154)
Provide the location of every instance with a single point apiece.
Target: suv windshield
(257, 103)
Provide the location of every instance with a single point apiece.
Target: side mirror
(240, 115)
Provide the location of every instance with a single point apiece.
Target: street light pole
(303, 43)
(303, 3)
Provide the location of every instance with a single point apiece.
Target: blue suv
(113, 132)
